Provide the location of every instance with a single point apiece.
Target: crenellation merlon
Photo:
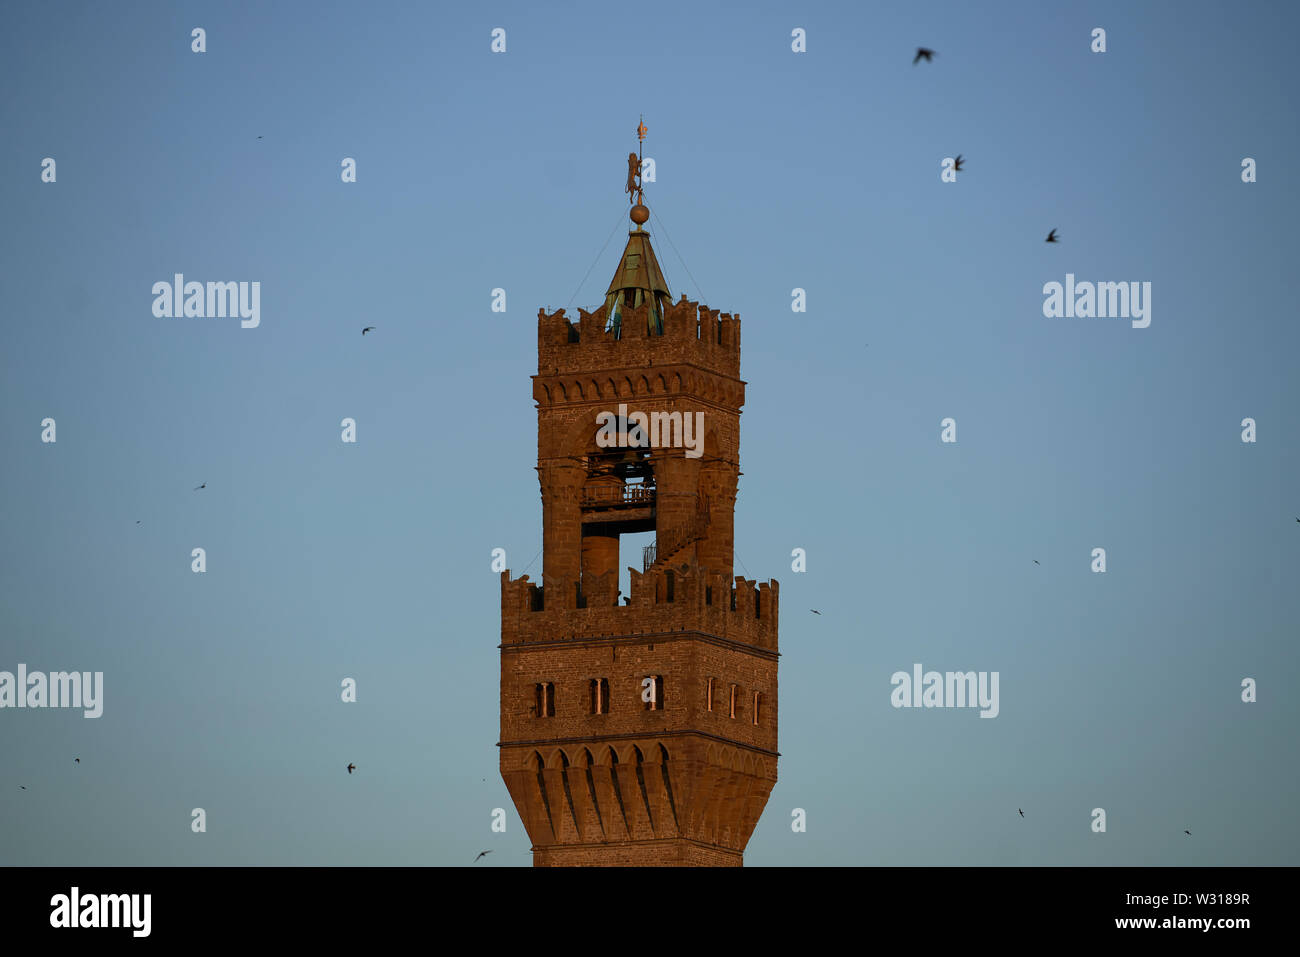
(692, 334)
(745, 610)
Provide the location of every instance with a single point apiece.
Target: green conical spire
(637, 280)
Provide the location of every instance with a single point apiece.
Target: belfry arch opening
(618, 510)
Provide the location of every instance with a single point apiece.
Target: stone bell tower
(638, 729)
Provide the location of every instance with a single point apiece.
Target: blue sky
(774, 170)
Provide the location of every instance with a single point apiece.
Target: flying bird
(197, 487)
(137, 521)
(956, 164)
(1051, 237)
(78, 760)
(22, 787)
(814, 611)
(1037, 562)
(481, 855)
(1187, 832)
(922, 54)
(367, 329)
(259, 137)
(351, 767)
(1022, 813)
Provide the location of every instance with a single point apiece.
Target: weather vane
(639, 213)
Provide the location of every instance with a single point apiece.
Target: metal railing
(596, 495)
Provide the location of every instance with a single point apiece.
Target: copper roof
(639, 269)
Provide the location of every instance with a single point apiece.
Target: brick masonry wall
(675, 853)
(686, 661)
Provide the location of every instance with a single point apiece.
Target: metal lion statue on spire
(633, 175)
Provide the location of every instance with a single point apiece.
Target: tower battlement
(662, 600)
(693, 334)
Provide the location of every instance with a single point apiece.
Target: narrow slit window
(758, 698)
(710, 694)
(734, 689)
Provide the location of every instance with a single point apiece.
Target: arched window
(656, 689)
(544, 703)
(599, 689)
